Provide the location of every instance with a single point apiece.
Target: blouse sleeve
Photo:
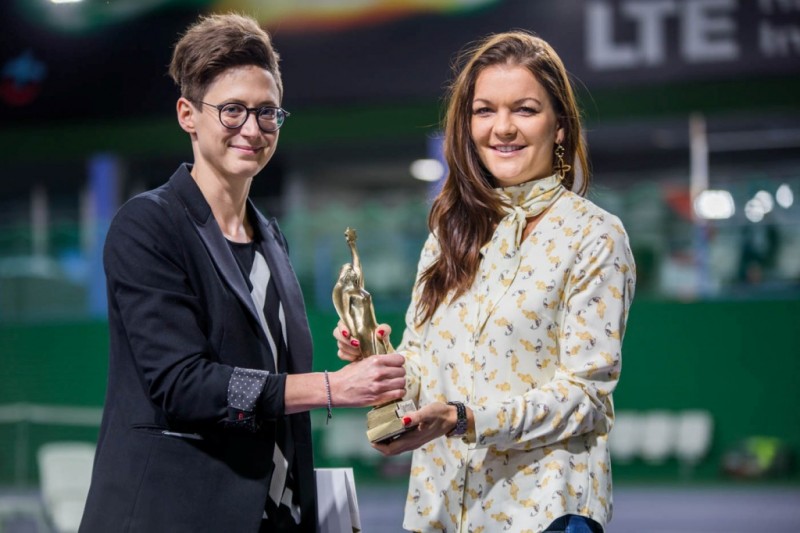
(410, 346)
(597, 297)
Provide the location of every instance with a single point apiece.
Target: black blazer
(172, 455)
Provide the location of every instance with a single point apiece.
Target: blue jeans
(573, 523)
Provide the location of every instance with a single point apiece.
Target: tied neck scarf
(501, 257)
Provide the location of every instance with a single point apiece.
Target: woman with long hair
(513, 337)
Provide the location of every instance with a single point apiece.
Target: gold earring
(561, 167)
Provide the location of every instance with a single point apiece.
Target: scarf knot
(521, 202)
(501, 258)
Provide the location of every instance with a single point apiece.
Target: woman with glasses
(206, 424)
(513, 337)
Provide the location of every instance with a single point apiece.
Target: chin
(251, 167)
(507, 181)
(241, 172)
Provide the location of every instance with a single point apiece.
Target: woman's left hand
(349, 349)
(430, 422)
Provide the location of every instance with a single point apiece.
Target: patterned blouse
(538, 373)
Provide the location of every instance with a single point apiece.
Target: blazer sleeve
(157, 312)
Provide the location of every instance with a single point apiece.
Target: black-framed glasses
(232, 116)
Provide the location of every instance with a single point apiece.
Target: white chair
(625, 437)
(694, 432)
(659, 435)
(65, 471)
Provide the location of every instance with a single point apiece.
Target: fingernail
(345, 334)
(406, 420)
(354, 342)
(380, 333)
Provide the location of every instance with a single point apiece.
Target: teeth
(507, 148)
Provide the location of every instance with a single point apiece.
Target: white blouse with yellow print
(537, 370)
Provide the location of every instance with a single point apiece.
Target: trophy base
(385, 422)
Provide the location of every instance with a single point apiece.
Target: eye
(233, 110)
(481, 111)
(527, 111)
(268, 113)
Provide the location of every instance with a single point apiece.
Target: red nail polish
(380, 333)
(345, 334)
(406, 420)
(355, 343)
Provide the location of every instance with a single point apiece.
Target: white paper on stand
(337, 504)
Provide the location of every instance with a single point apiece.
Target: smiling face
(513, 125)
(231, 154)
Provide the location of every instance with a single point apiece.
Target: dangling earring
(561, 167)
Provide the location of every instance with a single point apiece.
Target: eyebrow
(516, 102)
(265, 103)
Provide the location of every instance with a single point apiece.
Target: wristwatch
(461, 420)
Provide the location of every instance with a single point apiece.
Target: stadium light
(714, 205)
(427, 169)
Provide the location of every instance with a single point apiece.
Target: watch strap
(461, 420)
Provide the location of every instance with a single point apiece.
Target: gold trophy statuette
(354, 306)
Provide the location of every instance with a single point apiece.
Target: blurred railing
(26, 427)
(55, 272)
(48, 420)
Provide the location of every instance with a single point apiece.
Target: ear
(186, 113)
(560, 134)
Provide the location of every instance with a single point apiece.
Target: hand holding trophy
(354, 307)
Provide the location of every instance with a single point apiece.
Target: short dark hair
(216, 43)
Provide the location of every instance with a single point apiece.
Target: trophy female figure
(354, 305)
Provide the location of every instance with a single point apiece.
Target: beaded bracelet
(328, 392)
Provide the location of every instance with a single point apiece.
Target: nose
(504, 124)
(250, 127)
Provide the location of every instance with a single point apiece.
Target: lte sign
(635, 34)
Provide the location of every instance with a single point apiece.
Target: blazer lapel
(202, 218)
(298, 335)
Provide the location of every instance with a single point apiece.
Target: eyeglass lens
(235, 115)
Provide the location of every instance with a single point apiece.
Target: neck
(228, 202)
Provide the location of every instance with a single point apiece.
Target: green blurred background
(699, 96)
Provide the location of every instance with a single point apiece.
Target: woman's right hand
(371, 381)
(349, 349)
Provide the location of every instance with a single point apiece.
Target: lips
(247, 149)
(507, 148)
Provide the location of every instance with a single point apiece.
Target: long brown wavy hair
(467, 210)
